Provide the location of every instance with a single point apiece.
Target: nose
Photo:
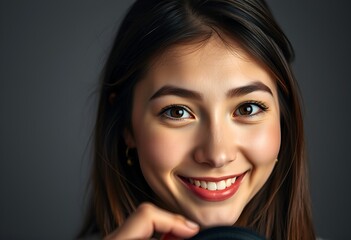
(216, 146)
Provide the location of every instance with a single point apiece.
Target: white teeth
(221, 185)
(233, 180)
(213, 186)
(197, 183)
(228, 183)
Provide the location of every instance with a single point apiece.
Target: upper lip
(214, 179)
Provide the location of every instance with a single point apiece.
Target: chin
(212, 220)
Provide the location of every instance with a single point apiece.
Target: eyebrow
(185, 93)
(176, 91)
(255, 86)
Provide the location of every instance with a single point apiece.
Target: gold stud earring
(129, 160)
(276, 160)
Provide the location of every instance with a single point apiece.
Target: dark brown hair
(281, 209)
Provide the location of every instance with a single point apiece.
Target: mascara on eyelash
(169, 107)
(164, 109)
(258, 103)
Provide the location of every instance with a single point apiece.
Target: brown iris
(245, 109)
(176, 112)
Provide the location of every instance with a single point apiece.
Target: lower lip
(216, 195)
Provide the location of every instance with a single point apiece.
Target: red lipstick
(212, 189)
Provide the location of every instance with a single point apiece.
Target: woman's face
(205, 123)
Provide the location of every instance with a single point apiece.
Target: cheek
(158, 152)
(261, 150)
(262, 144)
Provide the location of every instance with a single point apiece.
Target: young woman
(199, 125)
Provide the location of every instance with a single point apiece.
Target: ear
(129, 138)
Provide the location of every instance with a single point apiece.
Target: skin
(208, 134)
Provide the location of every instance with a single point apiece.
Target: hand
(148, 219)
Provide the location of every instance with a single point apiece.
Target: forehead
(214, 59)
(214, 47)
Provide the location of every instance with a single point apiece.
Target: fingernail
(191, 224)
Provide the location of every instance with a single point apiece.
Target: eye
(250, 109)
(177, 112)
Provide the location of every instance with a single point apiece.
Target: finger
(175, 225)
(148, 219)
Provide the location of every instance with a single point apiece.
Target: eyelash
(262, 108)
(173, 107)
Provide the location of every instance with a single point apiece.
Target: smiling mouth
(213, 189)
(213, 186)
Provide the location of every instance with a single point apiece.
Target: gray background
(51, 55)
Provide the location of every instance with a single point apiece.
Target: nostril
(213, 160)
(215, 149)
